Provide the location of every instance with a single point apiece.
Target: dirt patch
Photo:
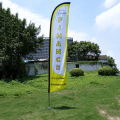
(102, 112)
(105, 114)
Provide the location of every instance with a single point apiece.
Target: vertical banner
(58, 47)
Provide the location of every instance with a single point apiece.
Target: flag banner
(58, 47)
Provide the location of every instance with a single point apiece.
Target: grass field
(90, 97)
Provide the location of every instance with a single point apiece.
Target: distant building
(103, 59)
(43, 52)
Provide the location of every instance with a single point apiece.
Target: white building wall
(43, 67)
(85, 67)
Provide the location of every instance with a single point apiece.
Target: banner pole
(49, 64)
(49, 79)
(49, 107)
(49, 99)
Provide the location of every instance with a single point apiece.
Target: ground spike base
(49, 108)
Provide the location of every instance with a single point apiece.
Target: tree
(16, 41)
(73, 50)
(111, 61)
(84, 50)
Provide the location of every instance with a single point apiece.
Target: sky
(97, 21)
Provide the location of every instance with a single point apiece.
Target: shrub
(107, 71)
(115, 70)
(76, 72)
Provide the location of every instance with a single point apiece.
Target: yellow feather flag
(58, 47)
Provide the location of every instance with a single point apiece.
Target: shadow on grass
(65, 108)
(24, 79)
(28, 78)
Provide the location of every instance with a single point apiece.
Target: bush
(107, 71)
(115, 70)
(76, 72)
(13, 70)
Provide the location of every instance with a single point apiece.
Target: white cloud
(79, 36)
(28, 15)
(94, 40)
(102, 45)
(109, 3)
(109, 19)
(110, 53)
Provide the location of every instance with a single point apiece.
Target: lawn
(90, 97)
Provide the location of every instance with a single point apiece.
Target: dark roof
(103, 57)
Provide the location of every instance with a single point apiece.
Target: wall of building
(43, 67)
(86, 67)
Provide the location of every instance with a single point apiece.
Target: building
(43, 52)
(103, 59)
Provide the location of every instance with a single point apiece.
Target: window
(77, 65)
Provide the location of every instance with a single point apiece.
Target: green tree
(111, 61)
(94, 51)
(88, 50)
(73, 50)
(83, 50)
(16, 41)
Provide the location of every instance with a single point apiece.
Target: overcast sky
(97, 21)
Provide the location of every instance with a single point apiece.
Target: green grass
(83, 98)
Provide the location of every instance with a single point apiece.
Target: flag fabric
(58, 47)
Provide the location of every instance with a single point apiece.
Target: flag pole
(49, 64)
(49, 77)
(49, 105)
(49, 60)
